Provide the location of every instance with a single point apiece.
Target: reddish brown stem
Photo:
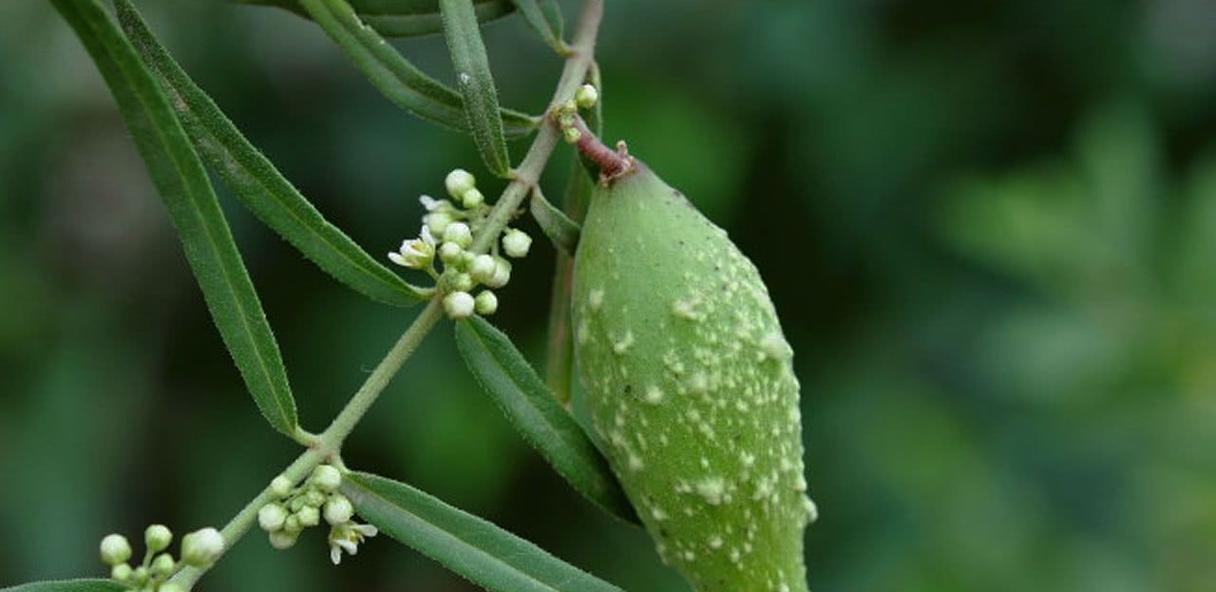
(612, 163)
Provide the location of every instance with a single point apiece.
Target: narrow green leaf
(403, 84)
(545, 17)
(474, 548)
(183, 185)
(68, 586)
(403, 18)
(556, 225)
(476, 83)
(535, 412)
(257, 182)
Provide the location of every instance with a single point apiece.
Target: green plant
(464, 242)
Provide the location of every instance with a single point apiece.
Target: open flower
(347, 537)
(416, 253)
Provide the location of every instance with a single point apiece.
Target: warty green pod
(689, 384)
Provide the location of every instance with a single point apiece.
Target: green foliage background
(988, 228)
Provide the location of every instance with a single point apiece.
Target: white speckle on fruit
(712, 489)
(654, 395)
(622, 345)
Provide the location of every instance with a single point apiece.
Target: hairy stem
(327, 445)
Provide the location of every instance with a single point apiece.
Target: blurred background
(989, 229)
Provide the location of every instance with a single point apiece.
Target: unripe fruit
(690, 387)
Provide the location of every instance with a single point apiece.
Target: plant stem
(333, 436)
(328, 444)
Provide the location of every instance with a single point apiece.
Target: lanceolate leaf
(395, 76)
(535, 412)
(69, 586)
(413, 25)
(474, 548)
(476, 83)
(545, 16)
(256, 181)
(183, 185)
(556, 225)
(404, 18)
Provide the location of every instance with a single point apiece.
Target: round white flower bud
(157, 537)
(459, 181)
(459, 233)
(571, 135)
(338, 510)
(482, 268)
(461, 282)
(485, 303)
(308, 516)
(140, 575)
(283, 540)
(516, 243)
(326, 478)
(587, 96)
(458, 305)
(202, 547)
(450, 253)
(437, 222)
(502, 273)
(121, 572)
(170, 587)
(281, 486)
(292, 524)
(162, 565)
(472, 198)
(271, 517)
(314, 498)
(115, 549)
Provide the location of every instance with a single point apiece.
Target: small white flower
(348, 537)
(338, 510)
(486, 303)
(416, 253)
(458, 305)
(459, 233)
(482, 268)
(202, 547)
(326, 478)
(459, 181)
(115, 549)
(587, 96)
(272, 517)
(435, 205)
(516, 243)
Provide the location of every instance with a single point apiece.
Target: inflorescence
(448, 230)
(298, 507)
(199, 549)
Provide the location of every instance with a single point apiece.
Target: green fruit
(690, 387)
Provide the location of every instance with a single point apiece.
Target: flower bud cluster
(297, 508)
(199, 549)
(448, 232)
(585, 97)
